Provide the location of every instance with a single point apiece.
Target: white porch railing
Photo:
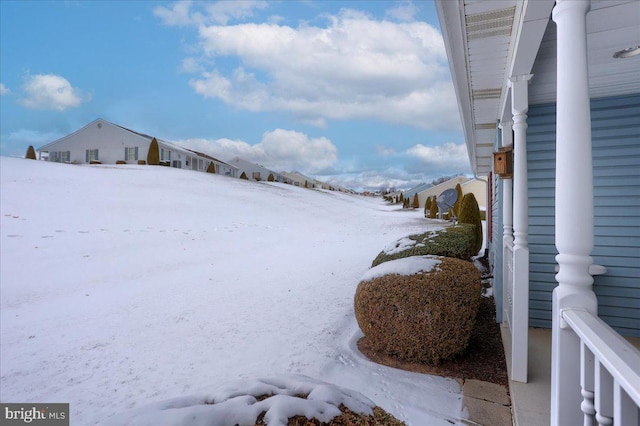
(609, 371)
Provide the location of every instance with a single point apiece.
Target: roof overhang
(488, 42)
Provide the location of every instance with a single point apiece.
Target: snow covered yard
(125, 285)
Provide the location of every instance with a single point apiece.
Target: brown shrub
(426, 317)
(211, 168)
(433, 210)
(153, 156)
(121, 162)
(31, 153)
(346, 418)
(142, 162)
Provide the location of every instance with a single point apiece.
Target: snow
(236, 403)
(405, 266)
(124, 286)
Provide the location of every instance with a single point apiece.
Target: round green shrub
(424, 317)
(470, 213)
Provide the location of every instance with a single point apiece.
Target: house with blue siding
(549, 98)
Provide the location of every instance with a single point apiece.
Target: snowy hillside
(125, 285)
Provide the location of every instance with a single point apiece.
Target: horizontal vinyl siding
(541, 188)
(616, 184)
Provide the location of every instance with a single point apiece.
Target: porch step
(487, 404)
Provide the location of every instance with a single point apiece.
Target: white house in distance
(257, 172)
(103, 142)
(476, 186)
(555, 85)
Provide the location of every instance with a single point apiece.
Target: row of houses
(102, 142)
(477, 187)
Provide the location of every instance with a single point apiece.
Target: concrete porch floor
(530, 402)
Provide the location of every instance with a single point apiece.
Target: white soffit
(488, 27)
(612, 25)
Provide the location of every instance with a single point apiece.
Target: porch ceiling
(488, 41)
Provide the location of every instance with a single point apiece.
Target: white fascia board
(451, 17)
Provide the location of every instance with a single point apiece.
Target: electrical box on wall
(503, 162)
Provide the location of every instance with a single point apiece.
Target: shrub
(416, 201)
(31, 153)
(153, 156)
(211, 168)
(426, 316)
(427, 205)
(121, 162)
(470, 213)
(433, 210)
(456, 206)
(454, 241)
(271, 178)
(244, 176)
(142, 162)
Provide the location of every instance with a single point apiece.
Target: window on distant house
(54, 157)
(165, 154)
(91, 155)
(65, 156)
(131, 154)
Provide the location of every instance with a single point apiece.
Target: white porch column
(507, 229)
(574, 207)
(520, 334)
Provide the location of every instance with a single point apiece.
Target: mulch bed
(483, 359)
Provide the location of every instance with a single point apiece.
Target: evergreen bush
(424, 317)
(244, 176)
(433, 210)
(211, 168)
(31, 153)
(470, 213)
(271, 178)
(456, 241)
(153, 156)
(416, 201)
(456, 206)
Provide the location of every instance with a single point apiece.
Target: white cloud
(448, 156)
(221, 12)
(4, 90)
(405, 11)
(279, 150)
(178, 15)
(354, 68)
(385, 151)
(51, 92)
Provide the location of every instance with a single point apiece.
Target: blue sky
(357, 93)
